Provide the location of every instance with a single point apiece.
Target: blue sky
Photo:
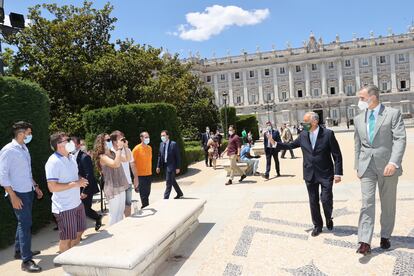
(249, 24)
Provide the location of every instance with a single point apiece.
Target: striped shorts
(71, 222)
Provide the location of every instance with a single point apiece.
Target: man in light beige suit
(380, 141)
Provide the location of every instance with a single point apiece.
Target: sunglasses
(65, 140)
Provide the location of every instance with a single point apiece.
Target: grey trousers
(387, 187)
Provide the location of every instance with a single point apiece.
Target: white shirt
(125, 165)
(63, 170)
(15, 167)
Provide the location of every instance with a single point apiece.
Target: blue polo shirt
(16, 167)
(63, 170)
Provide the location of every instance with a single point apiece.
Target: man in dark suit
(319, 146)
(270, 149)
(85, 167)
(169, 159)
(204, 141)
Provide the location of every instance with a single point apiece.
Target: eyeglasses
(65, 140)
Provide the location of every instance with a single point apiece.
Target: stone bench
(137, 245)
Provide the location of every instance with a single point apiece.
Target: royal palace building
(281, 85)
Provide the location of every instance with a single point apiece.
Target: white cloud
(203, 25)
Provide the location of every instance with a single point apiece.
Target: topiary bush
(132, 120)
(25, 101)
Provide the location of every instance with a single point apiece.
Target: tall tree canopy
(72, 56)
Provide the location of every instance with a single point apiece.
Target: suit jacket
(275, 136)
(85, 167)
(317, 162)
(173, 157)
(388, 144)
(204, 139)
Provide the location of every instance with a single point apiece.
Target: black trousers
(270, 152)
(171, 182)
(87, 203)
(144, 188)
(283, 152)
(326, 197)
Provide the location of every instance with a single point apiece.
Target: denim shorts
(128, 196)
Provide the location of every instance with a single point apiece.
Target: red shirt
(234, 145)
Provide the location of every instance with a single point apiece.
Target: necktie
(371, 126)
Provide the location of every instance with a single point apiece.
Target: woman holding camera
(109, 163)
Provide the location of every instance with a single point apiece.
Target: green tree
(72, 57)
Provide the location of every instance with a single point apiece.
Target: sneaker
(31, 267)
(242, 177)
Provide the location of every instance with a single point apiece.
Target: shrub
(132, 120)
(194, 154)
(248, 122)
(25, 101)
(231, 116)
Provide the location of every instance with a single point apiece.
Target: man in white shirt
(64, 182)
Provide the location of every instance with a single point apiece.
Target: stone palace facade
(281, 85)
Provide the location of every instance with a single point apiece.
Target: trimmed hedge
(248, 122)
(25, 101)
(132, 120)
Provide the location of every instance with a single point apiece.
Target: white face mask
(70, 147)
(231, 132)
(146, 141)
(363, 105)
(28, 139)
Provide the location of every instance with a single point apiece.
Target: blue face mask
(28, 139)
(109, 145)
(163, 139)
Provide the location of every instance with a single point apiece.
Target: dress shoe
(31, 267)
(364, 248)
(266, 177)
(385, 243)
(278, 175)
(178, 196)
(98, 223)
(316, 231)
(242, 177)
(229, 182)
(329, 224)
(18, 256)
(283, 157)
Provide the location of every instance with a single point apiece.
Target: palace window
(208, 78)
(401, 57)
(331, 65)
(334, 113)
(351, 113)
(347, 63)
(403, 85)
(267, 72)
(251, 74)
(300, 93)
(349, 90)
(332, 89)
(237, 75)
(284, 95)
(268, 96)
(364, 61)
(282, 70)
(298, 69)
(315, 92)
(314, 67)
(405, 108)
(238, 99)
(382, 60)
(384, 86)
(222, 77)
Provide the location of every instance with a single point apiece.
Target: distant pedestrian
(204, 140)
(233, 152)
(169, 159)
(142, 168)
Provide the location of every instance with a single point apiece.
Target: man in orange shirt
(142, 168)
